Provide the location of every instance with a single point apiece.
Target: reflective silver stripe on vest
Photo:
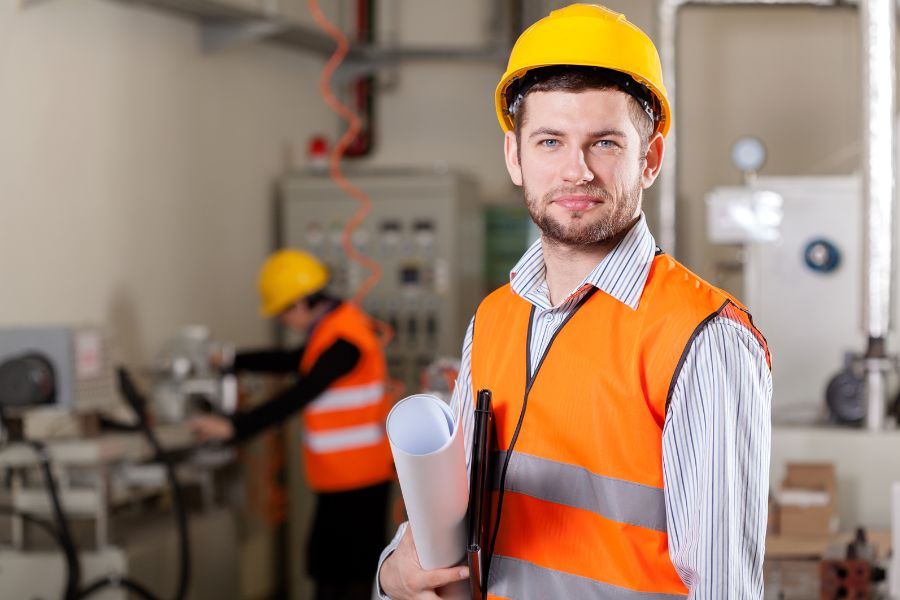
(344, 438)
(570, 485)
(358, 396)
(514, 578)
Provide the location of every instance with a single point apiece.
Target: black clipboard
(479, 511)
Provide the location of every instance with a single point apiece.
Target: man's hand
(211, 428)
(402, 577)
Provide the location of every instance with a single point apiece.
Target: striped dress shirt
(716, 436)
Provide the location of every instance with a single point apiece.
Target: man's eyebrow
(608, 132)
(546, 131)
(594, 134)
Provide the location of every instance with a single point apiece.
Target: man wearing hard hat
(340, 388)
(631, 398)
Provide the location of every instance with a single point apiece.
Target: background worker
(340, 387)
(632, 398)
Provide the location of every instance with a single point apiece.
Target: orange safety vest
(345, 446)
(583, 514)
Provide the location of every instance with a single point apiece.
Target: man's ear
(511, 153)
(654, 157)
(653, 163)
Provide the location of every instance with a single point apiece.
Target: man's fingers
(441, 577)
(427, 595)
(402, 574)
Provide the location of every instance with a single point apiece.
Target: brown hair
(575, 79)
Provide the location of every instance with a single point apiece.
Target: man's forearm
(386, 553)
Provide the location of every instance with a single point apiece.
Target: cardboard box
(807, 500)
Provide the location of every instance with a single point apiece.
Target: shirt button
(548, 318)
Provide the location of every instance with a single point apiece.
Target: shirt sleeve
(335, 362)
(462, 401)
(269, 361)
(716, 446)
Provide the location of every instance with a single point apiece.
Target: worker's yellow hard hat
(286, 277)
(586, 35)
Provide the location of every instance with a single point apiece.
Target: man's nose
(576, 170)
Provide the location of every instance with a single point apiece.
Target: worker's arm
(336, 361)
(333, 363)
(269, 361)
(716, 442)
(399, 575)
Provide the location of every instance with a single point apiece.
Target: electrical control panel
(425, 231)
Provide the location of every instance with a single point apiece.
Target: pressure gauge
(822, 256)
(748, 154)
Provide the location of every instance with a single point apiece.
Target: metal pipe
(878, 31)
(667, 16)
(878, 23)
(371, 58)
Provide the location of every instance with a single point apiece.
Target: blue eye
(550, 143)
(605, 144)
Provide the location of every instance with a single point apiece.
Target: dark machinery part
(846, 397)
(27, 380)
(853, 576)
(70, 551)
(845, 579)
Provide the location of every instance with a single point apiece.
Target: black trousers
(348, 534)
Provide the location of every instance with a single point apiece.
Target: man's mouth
(578, 203)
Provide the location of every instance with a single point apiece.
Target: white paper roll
(431, 465)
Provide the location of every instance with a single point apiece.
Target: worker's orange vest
(583, 514)
(344, 442)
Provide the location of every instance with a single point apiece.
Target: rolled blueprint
(431, 464)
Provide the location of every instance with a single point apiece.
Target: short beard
(592, 234)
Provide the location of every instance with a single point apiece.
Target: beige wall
(435, 114)
(135, 171)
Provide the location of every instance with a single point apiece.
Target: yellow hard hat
(586, 35)
(286, 277)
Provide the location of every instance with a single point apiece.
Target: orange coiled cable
(340, 148)
(385, 331)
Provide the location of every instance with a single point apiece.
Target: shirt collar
(622, 273)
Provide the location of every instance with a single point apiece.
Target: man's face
(297, 317)
(581, 162)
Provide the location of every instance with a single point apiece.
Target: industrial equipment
(425, 231)
(186, 379)
(54, 382)
(66, 367)
(803, 278)
(112, 489)
(852, 571)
